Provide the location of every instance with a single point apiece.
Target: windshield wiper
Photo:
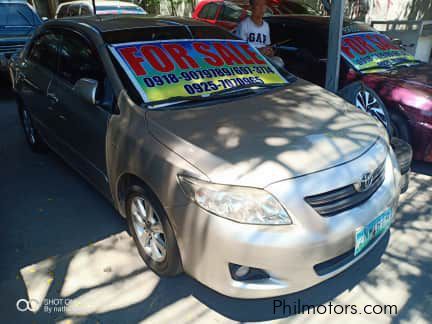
(374, 68)
(225, 93)
(394, 66)
(407, 63)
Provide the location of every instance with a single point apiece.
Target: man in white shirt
(255, 30)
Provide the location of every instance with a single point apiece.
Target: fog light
(245, 273)
(242, 271)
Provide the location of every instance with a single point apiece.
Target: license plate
(366, 234)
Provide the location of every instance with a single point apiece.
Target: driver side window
(77, 61)
(44, 51)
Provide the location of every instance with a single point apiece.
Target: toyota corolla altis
(250, 180)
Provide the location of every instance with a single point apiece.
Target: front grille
(339, 200)
(10, 49)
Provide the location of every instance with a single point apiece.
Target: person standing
(255, 30)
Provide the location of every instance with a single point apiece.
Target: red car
(228, 14)
(376, 76)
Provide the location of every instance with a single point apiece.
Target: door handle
(62, 117)
(52, 97)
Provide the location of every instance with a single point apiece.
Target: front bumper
(404, 155)
(289, 254)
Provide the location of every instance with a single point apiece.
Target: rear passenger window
(85, 11)
(44, 51)
(212, 11)
(209, 11)
(230, 13)
(74, 11)
(62, 12)
(204, 12)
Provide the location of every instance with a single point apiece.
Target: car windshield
(372, 51)
(168, 72)
(17, 15)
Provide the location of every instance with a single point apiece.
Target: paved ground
(61, 240)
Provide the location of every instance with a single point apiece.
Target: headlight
(240, 204)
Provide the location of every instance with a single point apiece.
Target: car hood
(420, 75)
(259, 140)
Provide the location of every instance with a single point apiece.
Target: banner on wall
(164, 70)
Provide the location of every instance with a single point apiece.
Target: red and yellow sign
(163, 70)
(371, 50)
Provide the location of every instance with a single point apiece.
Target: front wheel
(153, 233)
(368, 101)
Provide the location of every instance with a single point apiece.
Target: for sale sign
(164, 70)
(370, 50)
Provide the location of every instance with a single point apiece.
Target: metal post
(94, 6)
(334, 45)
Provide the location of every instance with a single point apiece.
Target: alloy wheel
(28, 127)
(367, 102)
(148, 229)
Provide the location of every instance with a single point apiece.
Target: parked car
(18, 20)
(85, 8)
(228, 14)
(376, 75)
(253, 181)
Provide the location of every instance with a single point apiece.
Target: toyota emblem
(365, 182)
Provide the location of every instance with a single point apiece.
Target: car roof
(108, 23)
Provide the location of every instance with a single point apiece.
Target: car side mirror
(86, 90)
(397, 42)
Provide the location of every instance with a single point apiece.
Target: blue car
(18, 20)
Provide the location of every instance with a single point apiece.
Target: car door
(81, 125)
(34, 75)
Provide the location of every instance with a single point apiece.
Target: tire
(400, 128)
(368, 101)
(32, 136)
(404, 153)
(162, 233)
